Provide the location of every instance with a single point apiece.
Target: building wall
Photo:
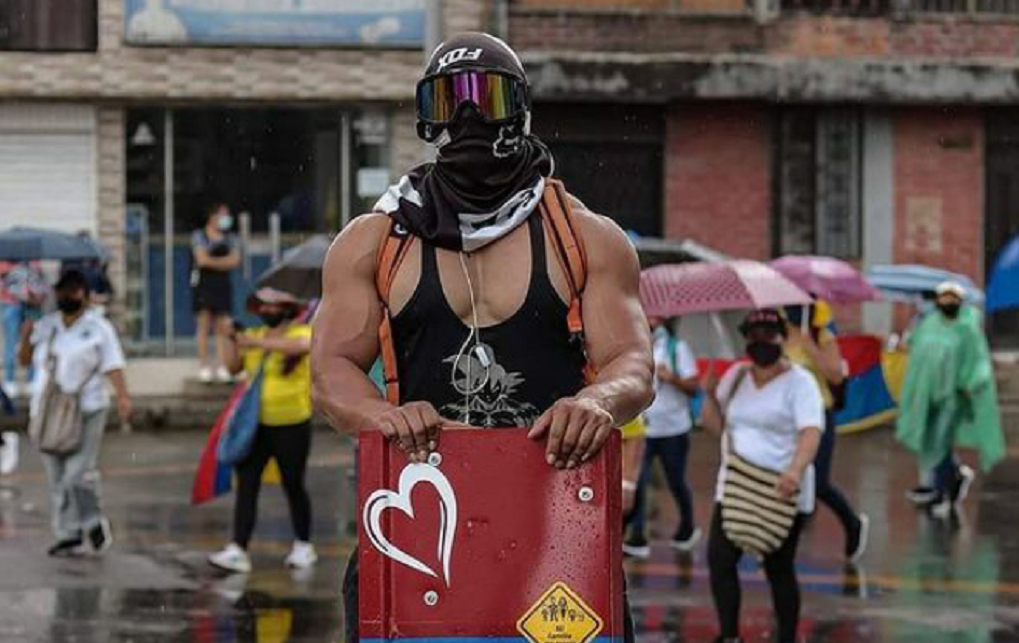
(111, 195)
(939, 179)
(121, 72)
(717, 177)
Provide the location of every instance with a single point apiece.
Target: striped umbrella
(683, 289)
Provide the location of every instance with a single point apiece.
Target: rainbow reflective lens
(497, 96)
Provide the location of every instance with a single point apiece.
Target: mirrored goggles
(497, 96)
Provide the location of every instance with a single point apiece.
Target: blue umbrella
(1003, 291)
(29, 244)
(910, 282)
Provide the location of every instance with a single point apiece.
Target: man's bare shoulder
(606, 243)
(357, 245)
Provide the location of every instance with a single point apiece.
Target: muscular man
(479, 304)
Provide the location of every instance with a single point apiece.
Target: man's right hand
(414, 427)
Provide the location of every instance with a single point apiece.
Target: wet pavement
(922, 580)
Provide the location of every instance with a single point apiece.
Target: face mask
(764, 354)
(272, 320)
(69, 305)
(225, 223)
(950, 310)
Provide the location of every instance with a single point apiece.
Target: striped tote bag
(755, 517)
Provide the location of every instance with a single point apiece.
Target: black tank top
(521, 367)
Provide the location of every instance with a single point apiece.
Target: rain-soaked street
(921, 580)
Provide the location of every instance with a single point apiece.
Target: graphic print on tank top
(486, 392)
(532, 361)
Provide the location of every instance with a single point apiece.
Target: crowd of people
(463, 345)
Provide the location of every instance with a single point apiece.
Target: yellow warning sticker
(560, 616)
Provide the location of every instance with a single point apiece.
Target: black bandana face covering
(482, 169)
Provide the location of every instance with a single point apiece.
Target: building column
(111, 195)
(878, 209)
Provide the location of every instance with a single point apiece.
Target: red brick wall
(717, 177)
(793, 34)
(939, 189)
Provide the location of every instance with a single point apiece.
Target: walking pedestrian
(215, 256)
(280, 350)
(488, 328)
(669, 422)
(23, 293)
(817, 350)
(950, 398)
(633, 433)
(79, 351)
(770, 415)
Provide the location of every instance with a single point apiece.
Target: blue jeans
(13, 316)
(946, 476)
(673, 453)
(827, 492)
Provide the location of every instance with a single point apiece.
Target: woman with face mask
(280, 348)
(215, 255)
(770, 414)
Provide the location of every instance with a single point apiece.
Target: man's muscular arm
(345, 345)
(618, 344)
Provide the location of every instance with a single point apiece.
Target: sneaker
(232, 559)
(963, 483)
(637, 548)
(9, 453)
(66, 548)
(11, 389)
(922, 495)
(942, 508)
(687, 544)
(722, 639)
(100, 537)
(223, 376)
(856, 545)
(302, 556)
(205, 375)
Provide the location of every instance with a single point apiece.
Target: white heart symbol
(384, 499)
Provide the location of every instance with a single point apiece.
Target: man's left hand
(124, 408)
(577, 428)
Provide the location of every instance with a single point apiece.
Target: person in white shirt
(87, 353)
(668, 427)
(773, 414)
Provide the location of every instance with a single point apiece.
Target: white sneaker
(302, 556)
(205, 375)
(966, 477)
(223, 375)
(688, 544)
(12, 390)
(232, 559)
(9, 453)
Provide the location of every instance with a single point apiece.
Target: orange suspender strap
(562, 227)
(391, 254)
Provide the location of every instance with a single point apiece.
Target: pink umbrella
(686, 288)
(827, 278)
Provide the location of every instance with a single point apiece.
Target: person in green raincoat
(949, 398)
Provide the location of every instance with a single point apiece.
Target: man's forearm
(623, 388)
(347, 397)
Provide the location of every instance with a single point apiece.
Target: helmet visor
(497, 96)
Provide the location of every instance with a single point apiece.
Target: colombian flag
(874, 383)
(213, 478)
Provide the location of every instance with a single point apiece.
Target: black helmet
(475, 68)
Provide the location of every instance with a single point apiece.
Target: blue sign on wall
(353, 23)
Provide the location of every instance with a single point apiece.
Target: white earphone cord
(475, 334)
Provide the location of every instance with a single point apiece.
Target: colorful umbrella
(826, 278)
(910, 282)
(1003, 291)
(683, 289)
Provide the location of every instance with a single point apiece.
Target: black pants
(827, 492)
(350, 605)
(672, 451)
(290, 446)
(723, 558)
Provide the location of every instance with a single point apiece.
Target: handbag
(56, 427)
(242, 425)
(755, 517)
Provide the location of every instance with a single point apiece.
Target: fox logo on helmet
(457, 55)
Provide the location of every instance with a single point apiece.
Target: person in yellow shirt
(814, 346)
(280, 349)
